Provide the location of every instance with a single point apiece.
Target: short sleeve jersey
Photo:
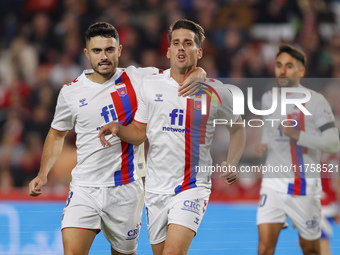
(87, 106)
(180, 133)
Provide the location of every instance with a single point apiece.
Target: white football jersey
(87, 106)
(296, 166)
(179, 135)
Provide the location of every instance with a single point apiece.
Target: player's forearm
(327, 141)
(236, 146)
(132, 134)
(52, 149)
(198, 72)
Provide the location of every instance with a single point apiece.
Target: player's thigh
(77, 241)
(157, 249)
(268, 235)
(178, 240)
(305, 214)
(121, 216)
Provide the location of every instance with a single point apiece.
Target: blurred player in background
(294, 194)
(105, 193)
(330, 199)
(180, 137)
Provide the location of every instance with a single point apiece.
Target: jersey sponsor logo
(192, 206)
(158, 98)
(133, 233)
(121, 89)
(176, 119)
(82, 102)
(176, 113)
(107, 112)
(196, 221)
(313, 223)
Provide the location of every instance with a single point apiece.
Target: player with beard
(106, 192)
(296, 145)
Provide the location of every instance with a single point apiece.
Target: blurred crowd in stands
(42, 42)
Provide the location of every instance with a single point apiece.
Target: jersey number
(263, 200)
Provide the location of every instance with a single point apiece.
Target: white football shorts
(115, 210)
(186, 209)
(303, 211)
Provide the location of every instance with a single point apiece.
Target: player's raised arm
(51, 152)
(134, 133)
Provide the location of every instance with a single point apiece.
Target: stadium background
(41, 48)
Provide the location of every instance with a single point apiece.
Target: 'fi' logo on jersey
(121, 89)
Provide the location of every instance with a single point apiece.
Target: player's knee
(175, 251)
(311, 251)
(264, 249)
(310, 247)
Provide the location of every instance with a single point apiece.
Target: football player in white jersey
(296, 145)
(105, 192)
(177, 187)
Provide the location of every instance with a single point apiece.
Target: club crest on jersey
(198, 103)
(121, 89)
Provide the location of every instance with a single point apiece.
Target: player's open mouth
(105, 64)
(181, 57)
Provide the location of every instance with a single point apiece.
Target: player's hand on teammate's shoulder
(191, 85)
(110, 128)
(36, 184)
(229, 173)
(260, 150)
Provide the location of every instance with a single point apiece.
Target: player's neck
(99, 78)
(295, 85)
(180, 74)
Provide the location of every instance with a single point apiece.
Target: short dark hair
(103, 29)
(190, 25)
(296, 53)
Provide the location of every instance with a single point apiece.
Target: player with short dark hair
(297, 146)
(106, 192)
(177, 187)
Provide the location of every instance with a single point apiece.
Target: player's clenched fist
(230, 176)
(36, 184)
(110, 128)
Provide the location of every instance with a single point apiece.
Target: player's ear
(200, 53)
(302, 71)
(168, 53)
(87, 53)
(120, 50)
